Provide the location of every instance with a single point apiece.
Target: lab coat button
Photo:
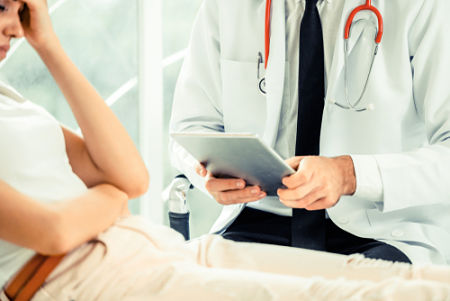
(397, 233)
(344, 220)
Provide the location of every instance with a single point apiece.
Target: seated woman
(60, 193)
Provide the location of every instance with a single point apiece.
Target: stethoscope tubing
(365, 7)
(267, 31)
(368, 6)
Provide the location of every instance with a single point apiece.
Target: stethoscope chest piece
(262, 86)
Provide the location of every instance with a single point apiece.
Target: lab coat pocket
(244, 106)
(416, 225)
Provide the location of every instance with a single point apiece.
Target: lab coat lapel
(275, 75)
(337, 64)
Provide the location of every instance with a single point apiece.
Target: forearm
(107, 142)
(83, 218)
(416, 178)
(57, 228)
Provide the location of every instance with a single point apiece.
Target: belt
(31, 277)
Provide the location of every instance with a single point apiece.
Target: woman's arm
(57, 228)
(106, 154)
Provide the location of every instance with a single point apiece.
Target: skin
(318, 183)
(105, 158)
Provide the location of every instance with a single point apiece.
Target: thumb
(294, 162)
(201, 170)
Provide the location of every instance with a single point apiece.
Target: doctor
(365, 121)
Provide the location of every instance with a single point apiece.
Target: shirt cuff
(369, 185)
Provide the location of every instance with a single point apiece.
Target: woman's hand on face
(36, 23)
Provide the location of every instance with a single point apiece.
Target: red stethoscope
(365, 7)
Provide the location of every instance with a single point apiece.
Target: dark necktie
(308, 227)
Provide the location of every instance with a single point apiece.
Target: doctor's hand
(318, 183)
(230, 191)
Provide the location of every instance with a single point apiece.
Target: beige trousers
(136, 260)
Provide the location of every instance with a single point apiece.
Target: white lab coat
(408, 132)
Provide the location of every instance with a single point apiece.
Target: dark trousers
(258, 226)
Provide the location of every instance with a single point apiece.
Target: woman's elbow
(56, 245)
(138, 185)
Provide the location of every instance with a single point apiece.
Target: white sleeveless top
(33, 160)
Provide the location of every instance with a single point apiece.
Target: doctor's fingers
(301, 177)
(219, 185)
(294, 162)
(201, 170)
(298, 192)
(324, 203)
(305, 202)
(249, 194)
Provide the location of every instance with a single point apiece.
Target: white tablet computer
(242, 156)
